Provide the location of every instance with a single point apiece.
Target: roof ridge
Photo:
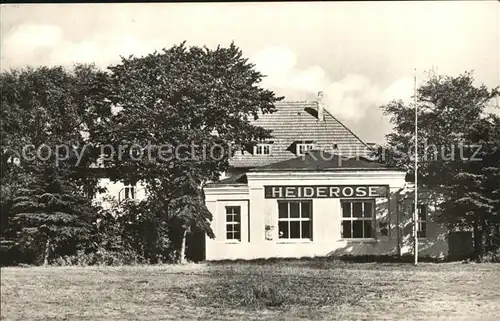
(296, 102)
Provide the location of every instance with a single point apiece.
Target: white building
(311, 191)
(308, 191)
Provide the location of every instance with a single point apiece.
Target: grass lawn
(282, 290)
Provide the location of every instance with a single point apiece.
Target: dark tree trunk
(46, 253)
(477, 240)
(480, 237)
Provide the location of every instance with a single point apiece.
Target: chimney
(321, 107)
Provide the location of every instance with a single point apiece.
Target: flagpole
(415, 212)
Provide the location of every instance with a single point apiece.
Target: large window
(295, 219)
(233, 223)
(357, 219)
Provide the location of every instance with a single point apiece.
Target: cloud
(354, 98)
(45, 44)
(348, 97)
(359, 58)
(402, 88)
(275, 60)
(34, 36)
(29, 42)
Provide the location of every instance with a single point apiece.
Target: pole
(415, 213)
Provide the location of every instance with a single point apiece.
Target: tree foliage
(458, 150)
(50, 215)
(47, 116)
(183, 108)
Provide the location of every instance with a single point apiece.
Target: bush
(491, 257)
(100, 257)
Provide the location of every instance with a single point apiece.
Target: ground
(280, 290)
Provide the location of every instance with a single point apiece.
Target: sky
(360, 54)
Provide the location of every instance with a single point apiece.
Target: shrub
(491, 257)
(101, 257)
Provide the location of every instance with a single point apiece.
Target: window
(129, 191)
(233, 223)
(421, 220)
(262, 149)
(357, 219)
(90, 191)
(304, 148)
(295, 219)
(384, 229)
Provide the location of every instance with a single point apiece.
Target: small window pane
(357, 229)
(233, 214)
(283, 209)
(295, 229)
(368, 230)
(237, 235)
(367, 211)
(422, 232)
(422, 213)
(306, 209)
(346, 229)
(283, 229)
(306, 229)
(294, 210)
(384, 231)
(346, 209)
(357, 209)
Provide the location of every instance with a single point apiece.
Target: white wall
(113, 190)
(259, 212)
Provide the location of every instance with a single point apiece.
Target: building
(311, 190)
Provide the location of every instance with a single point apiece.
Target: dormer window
(262, 149)
(302, 149)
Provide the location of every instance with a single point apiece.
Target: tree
(50, 216)
(48, 119)
(453, 126)
(183, 108)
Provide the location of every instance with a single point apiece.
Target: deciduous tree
(183, 108)
(48, 115)
(458, 150)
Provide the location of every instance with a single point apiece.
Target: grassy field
(283, 290)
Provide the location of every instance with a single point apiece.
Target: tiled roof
(298, 122)
(323, 161)
(234, 179)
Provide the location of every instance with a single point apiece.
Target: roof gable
(296, 122)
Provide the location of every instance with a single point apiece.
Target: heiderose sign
(326, 191)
